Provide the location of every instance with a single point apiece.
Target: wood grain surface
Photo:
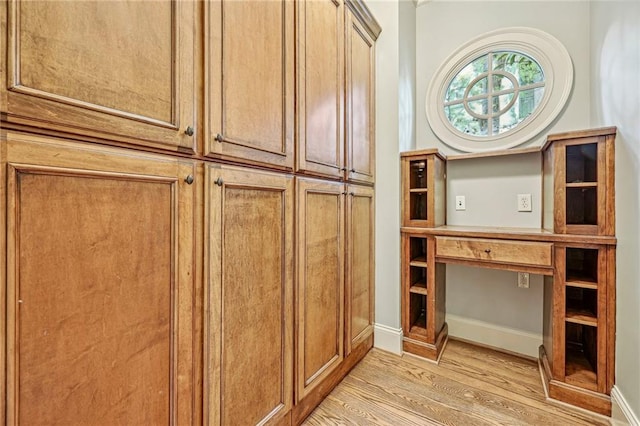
(471, 386)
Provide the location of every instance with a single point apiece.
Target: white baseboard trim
(621, 406)
(518, 341)
(387, 338)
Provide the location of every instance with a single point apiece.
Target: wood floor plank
(471, 386)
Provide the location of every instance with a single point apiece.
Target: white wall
(491, 298)
(387, 268)
(395, 128)
(615, 60)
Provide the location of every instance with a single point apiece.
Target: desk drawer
(498, 251)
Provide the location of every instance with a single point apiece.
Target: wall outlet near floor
(461, 203)
(524, 202)
(523, 279)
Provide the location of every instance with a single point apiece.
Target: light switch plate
(461, 203)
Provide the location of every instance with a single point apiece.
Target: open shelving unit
(574, 250)
(579, 169)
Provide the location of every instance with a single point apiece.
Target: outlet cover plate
(524, 202)
(461, 203)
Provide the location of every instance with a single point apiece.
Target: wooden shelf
(581, 316)
(420, 325)
(578, 370)
(419, 190)
(573, 282)
(420, 261)
(581, 184)
(418, 288)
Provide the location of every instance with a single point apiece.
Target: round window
(499, 90)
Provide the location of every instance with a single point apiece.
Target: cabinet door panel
(250, 61)
(320, 87)
(320, 281)
(99, 289)
(360, 261)
(118, 70)
(360, 106)
(250, 330)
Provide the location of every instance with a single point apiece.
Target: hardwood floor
(471, 386)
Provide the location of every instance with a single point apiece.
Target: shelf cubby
(581, 306)
(582, 163)
(418, 313)
(581, 355)
(582, 267)
(582, 204)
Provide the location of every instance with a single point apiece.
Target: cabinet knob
(344, 193)
(219, 137)
(219, 181)
(487, 251)
(189, 179)
(344, 169)
(352, 193)
(352, 170)
(188, 131)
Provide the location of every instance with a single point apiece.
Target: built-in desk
(537, 251)
(575, 253)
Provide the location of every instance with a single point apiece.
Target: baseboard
(512, 340)
(387, 338)
(621, 412)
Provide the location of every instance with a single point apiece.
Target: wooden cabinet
(160, 288)
(423, 297)
(359, 300)
(320, 87)
(579, 336)
(120, 71)
(249, 293)
(579, 174)
(99, 285)
(335, 90)
(423, 188)
(359, 100)
(249, 108)
(320, 281)
(574, 250)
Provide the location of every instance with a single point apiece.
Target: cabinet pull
(352, 193)
(344, 169)
(487, 251)
(189, 131)
(219, 181)
(189, 179)
(352, 170)
(219, 138)
(344, 193)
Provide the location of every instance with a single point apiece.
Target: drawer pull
(487, 251)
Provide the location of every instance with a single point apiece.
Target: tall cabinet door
(359, 266)
(320, 281)
(120, 70)
(320, 97)
(249, 327)
(99, 286)
(249, 68)
(360, 102)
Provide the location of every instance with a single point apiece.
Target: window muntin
(502, 88)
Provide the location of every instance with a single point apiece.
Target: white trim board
(387, 338)
(618, 401)
(518, 341)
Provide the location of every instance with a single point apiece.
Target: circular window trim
(556, 64)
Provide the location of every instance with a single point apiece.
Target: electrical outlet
(524, 202)
(461, 203)
(523, 279)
